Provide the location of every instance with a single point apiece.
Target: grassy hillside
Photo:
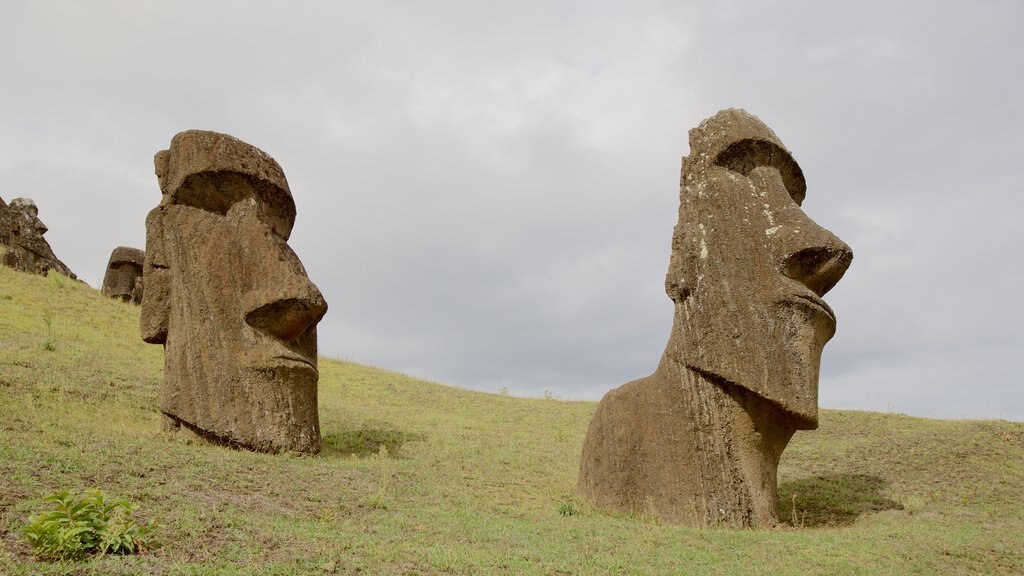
(467, 483)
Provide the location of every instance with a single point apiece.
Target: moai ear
(161, 163)
(156, 298)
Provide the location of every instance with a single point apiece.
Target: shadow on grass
(365, 442)
(832, 499)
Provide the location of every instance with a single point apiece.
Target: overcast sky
(486, 190)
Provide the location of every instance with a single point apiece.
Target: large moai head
(123, 278)
(749, 268)
(228, 299)
(698, 442)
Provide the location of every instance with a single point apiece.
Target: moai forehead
(213, 171)
(739, 141)
(126, 255)
(30, 216)
(26, 206)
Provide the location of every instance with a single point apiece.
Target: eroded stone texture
(229, 299)
(123, 279)
(698, 442)
(21, 237)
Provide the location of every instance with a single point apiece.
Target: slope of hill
(421, 478)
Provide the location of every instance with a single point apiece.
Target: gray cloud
(486, 192)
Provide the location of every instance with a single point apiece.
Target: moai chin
(698, 442)
(229, 300)
(123, 278)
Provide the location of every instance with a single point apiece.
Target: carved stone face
(123, 278)
(229, 298)
(31, 225)
(749, 267)
(21, 234)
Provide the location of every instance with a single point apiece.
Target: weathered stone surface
(698, 442)
(123, 278)
(229, 299)
(21, 237)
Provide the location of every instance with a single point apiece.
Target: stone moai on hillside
(698, 442)
(21, 235)
(229, 300)
(123, 279)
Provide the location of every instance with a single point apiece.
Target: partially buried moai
(123, 278)
(698, 442)
(229, 300)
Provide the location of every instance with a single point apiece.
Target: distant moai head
(31, 225)
(123, 278)
(21, 233)
(229, 299)
(748, 267)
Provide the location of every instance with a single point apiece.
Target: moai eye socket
(745, 155)
(212, 191)
(213, 172)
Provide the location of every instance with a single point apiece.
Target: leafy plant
(51, 343)
(90, 524)
(913, 504)
(378, 500)
(568, 507)
(796, 518)
(56, 279)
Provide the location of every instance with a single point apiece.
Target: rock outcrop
(229, 300)
(698, 442)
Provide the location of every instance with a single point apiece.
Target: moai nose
(821, 265)
(289, 317)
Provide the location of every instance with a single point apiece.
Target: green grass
(421, 478)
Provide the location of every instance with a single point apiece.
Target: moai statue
(698, 442)
(21, 234)
(229, 300)
(123, 279)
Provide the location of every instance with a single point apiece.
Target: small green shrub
(367, 442)
(78, 527)
(56, 279)
(50, 344)
(378, 501)
(913, 504)
(568, 507)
